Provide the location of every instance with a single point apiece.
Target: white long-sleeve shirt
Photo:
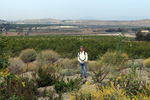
(82, 57)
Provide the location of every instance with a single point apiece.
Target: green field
(68, 46)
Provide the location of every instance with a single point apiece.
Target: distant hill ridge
(142, 23)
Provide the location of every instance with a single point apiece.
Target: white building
(145, 31)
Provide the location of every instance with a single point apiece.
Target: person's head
(81, 48)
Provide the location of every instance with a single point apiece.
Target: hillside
(135, 23)
(38, 21)
(138, 23)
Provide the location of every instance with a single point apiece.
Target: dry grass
(92, 64)
(15, 65)
(31, 67)
(48, 57)
(28, 55)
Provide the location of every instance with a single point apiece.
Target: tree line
(142, 36)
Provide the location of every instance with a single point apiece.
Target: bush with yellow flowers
(3, 59)
(13, 87)
(129, 82)
(147, 63)
(91, 92)
(4, 73)
(109, 92)
(144, 94)
(20, 88)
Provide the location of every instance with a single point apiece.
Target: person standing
(82, 58)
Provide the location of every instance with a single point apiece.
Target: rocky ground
(143, 73)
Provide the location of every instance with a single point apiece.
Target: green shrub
(3, 56)
(99, 73)
(74, 84)
(3, 60)
(60, 86)
(71, 84)
(28, 55)
(48, 57)
(147, 63)
(47, 77)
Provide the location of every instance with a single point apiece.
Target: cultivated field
(68, 45)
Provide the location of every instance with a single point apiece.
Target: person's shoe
(85, 77)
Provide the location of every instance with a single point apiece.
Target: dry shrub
(33, 66)
(99, 73)
(147, 63)
(69, 63)
(28, 55)
(75, 62)
(66, 72)
(48, 57)
(59, 62)
(15, 65)
(117, 59)
(114, 58)
(92, 64)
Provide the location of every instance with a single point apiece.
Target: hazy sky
(75, 9)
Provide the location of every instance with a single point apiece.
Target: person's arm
(78, 58)
(86, 57)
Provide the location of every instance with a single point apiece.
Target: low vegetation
(51, 75)
(17, 89)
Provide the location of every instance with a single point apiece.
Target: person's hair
(81, 46)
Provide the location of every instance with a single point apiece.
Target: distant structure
(145, 31)
(27, 33)
(4, 30)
